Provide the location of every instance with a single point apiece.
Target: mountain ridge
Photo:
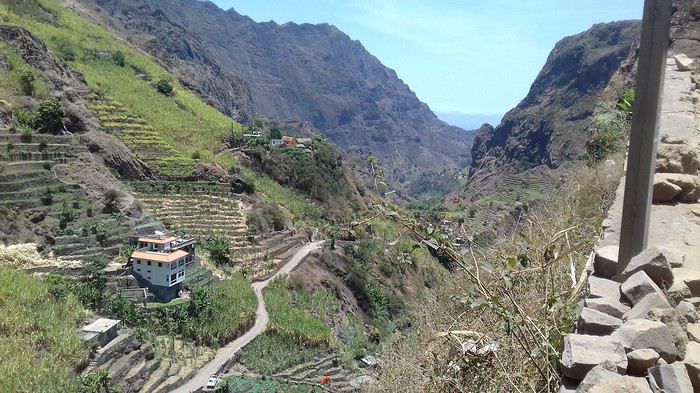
(303, 72)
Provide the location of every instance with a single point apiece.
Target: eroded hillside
(326, 79)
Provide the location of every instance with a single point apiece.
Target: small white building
(161, 260)
(101, 332)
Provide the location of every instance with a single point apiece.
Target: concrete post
(641, 161)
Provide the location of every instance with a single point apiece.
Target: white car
(213, 381)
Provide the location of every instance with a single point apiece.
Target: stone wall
(639, 331)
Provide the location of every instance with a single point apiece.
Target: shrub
(26, 80)
(111, 199)
(26, 137)
(118, 58)
(219, 249)
(49, 117)
(47, 197)
(42, 146)
(10, 146)
(46, 165)
(610, 129)
(65, 50)
(196, 155)
(164, 86)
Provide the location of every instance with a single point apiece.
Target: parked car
(213, 381)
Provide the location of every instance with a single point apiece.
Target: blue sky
(468, 56)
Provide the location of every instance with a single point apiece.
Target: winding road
(224, 354)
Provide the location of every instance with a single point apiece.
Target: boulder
(690, 277)
(683, 62)
(670, 378)
(665, 191)
(693, 330)
(677, 158)
(689, 184)
(602, 380)
(694, 375)
(637, 286)
(643, 334)
(687, 312)
(605, 261)
(583, 352)
(654, 263)
(695, 301)
(603, 288)
(692, 353)
(596, 323)
(673, 140)
(639, 360)
(642, 309)
(611, 306)
(678, 291)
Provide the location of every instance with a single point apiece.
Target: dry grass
(518, 296)
(22, 256)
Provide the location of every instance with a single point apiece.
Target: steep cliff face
(549, 127)
(308, 73)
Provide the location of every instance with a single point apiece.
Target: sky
(473, 57)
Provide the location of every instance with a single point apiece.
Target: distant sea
(469, 121)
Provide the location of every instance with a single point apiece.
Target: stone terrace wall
(640, 331)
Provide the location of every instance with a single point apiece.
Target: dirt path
(224, 354)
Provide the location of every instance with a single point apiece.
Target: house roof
(157, 240)
(159, 256)
(101, 325)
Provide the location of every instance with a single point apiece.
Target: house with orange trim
(161, 261)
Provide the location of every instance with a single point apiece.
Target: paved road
(224, 354)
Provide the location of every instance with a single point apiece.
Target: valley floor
(225, 354)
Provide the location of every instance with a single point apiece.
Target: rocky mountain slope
(309, 73)
(549, 127)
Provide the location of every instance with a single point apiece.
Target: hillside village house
(161, 262)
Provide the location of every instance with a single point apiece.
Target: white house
(161, 260)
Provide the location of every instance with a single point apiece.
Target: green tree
(164, 86)
(259, 123)
(49, 117)
(118, 58)
(275, 133)
(219, 249)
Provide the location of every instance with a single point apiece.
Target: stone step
(21, 174)
(26, 183)
(37, 156)
(157, 377)
(13, 166)
(184, 374)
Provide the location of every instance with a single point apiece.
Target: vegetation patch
(514, 300)
(38, 344)
(114, 69)
(214, 316)
(271, 353)
(19, 77)
(250, 385)
(288, 320)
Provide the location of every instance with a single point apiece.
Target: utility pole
(641, 160)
